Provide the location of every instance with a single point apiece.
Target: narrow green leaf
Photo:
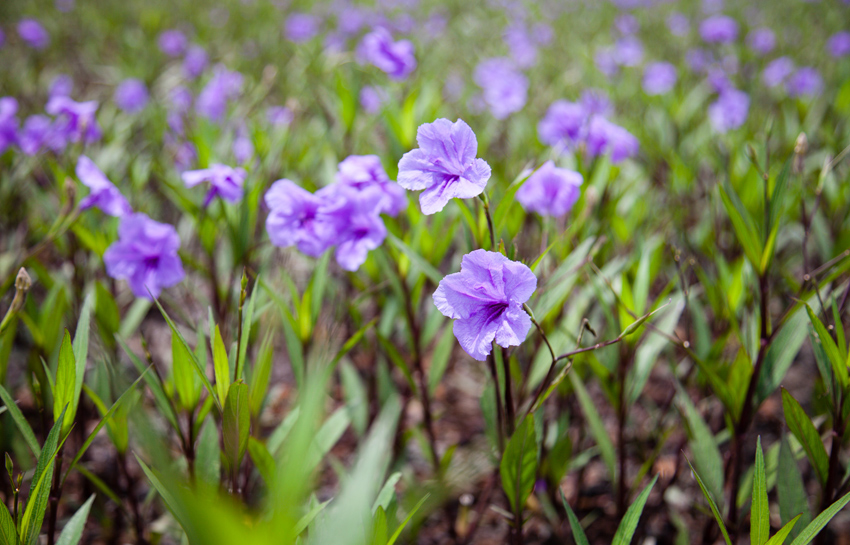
(783, 533)
(420, 262)
(578, 533)
(81, 352)
(183, 374)
(742, 223)
(221, 365)
(519, 465)
(387, 492)
(63, 394)
(712, 505)
(803, 429)
(628, 525)
(72, 533)
(820, 522)
(406, 520)
(706, 454)
(790, 489)
(261, 375)
(597, 427)
(247, 321)
(440, 359)
(8, 532)
(839, 365)
(236, 423)
(760, 514)
(165, 407)
(263, 459)
(30, 524)
(208, 459)
(20, 422)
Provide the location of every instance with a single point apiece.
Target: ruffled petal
(513, 327)
(476, 334)
(415, 171)
(520, 281)
(435, 198)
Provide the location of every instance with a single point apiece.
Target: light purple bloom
(550, 191)
(542, 33)
(61, 86)
(75, 120)
(605, 59)
(595, 102)
(37, 133)
(301, 27)
(104, 194)
(659, 78)
(195, 61)
(761, 40)
(604, 137)
(225, 181)
(145, 255)
(444, 166)
(222, 87)
(279, 116)
(299, 218)
(505, 88)
(359, 229)
(628, 51)
(185, 156)
(522, 47)
(729, 111)
(626, 24)
(372, 98)
(718, 79)
(563, 124)
(173, 43)
(777, 71)
(131, 95)
(806, 81)
(394, 58)
(364, 172)
(243, 148)
(697, 59)
(8, 123)
(678, 24)
(485, 299)
(33, 33)
(838, 44)
(719, 29)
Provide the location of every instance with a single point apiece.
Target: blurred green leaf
(72, 533)
(706, 454)
(236, 424)
(784, 532)
(597, 427)
(790, 490)
(518, 467)
(628, 525)
(712, 505)
(575, 525)
(803, 429)
(221, 365)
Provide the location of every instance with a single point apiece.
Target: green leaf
(706, 454)
(820, 522)
(73, 530)
(261, 375)
(519, 465)
(760, 514)
(575, 525)
(803, 429)
(839, 366)
(783, 533)
(440, 359)
(8, 533)
(30, 523)
(420, 262)
(81, 350)
(597, 427)
(790, 489)
(20, 421)
(221, 365)
(387, 493)
(262, 458)
(165, 407)
(183, 374)
(236, 423)
(247, 320)
(404, 523)
(712, 505)
(208, 459)
(742, 223)
(63, 395)
(628, 525)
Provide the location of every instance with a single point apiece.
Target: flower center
(493, 311)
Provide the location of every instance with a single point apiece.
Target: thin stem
(491, 363)
(486, 202)
(243, 294)
(509, 401)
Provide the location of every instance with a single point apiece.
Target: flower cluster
(504, 87)
(550, 191)
(71, 122)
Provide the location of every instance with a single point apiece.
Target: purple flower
(195, 61)
(364, 172)
(301, 27)
(61, 86)
(777, 71)
(33, 33)
(678, 24)
(542, 33)
(719, 29)
(222, 87)
(131, 95)
(563, 124)
(75, 120)
(626, 24)
(185, 156)
(2, 38)
(718, 79)
(104, 194)
(279, 116)
(595, 102)
(729, 111)
(761, 40)
(485, 299)
(173, 43)
(145, 255)
(606, 137)
(243, 148)
(522, 47)
(8, 123)
(359, 229)
(299, 218)
(659, 78)
(505, 88)
(181, 99)
(628, 51)
(605, 59)
(372, 98)
(444, 166)
(394, 58)
(806, 81)
(225, 181)
(550, 191)
(838, 44)
(697, 59)
(37, 133)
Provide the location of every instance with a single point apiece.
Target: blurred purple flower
(131, 95)
(595, 102)
(659, 78)
(838, 44)
(626, 24)
(61, 86)
(335, 43)
(301, 27)
(806, 81)
(299, 218)
(444, 166)
(719, 29)
(279, 116)
(761, 40)
(718, 80)
(365, 172)
(104, 194)
(185, 156)
(697, 59)
(563, 124)
(224, 85)
(678, 24)
(485, 299)
(522, 48)
(351, 19)
(181, 99)
(243, 148)
(604, 137)
(225, 182)
(628, 51)
(505, 88)
(145, 255)
(195, 61)
(2, 38)
(729, 111)
(75, 120)
(550, 191)
(777, 71)
(605, 59)
(33, 33)
(542, 33)
(372, 98)
(173, 42)
(8, 123)
(37, 133)
(394, 58)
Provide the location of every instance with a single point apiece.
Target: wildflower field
(433, 272)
